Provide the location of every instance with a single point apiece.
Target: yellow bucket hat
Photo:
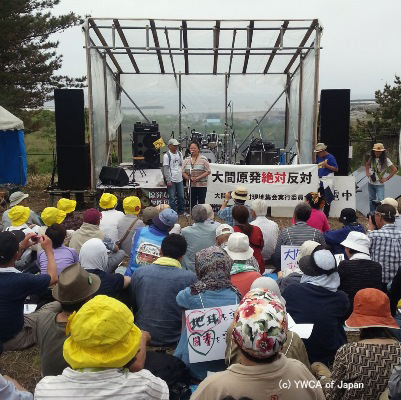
(102, 335)
(132, 205)
(19, 215)
(52, 215)
(66, 205)
(107, 201)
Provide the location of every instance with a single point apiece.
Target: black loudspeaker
(144, 136)
(70, 117)
(73, 166)
(260, 157)
(114, 176)
(334, 115)
(73, 159)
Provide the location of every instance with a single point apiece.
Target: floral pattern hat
(260, 324)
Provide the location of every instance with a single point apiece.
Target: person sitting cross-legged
(110, 216)
(260, 331)
(317, 300)
(103, 348)
(17, 331)
(212, 289)
(199, 236)
(73, 289)
(297, 234)
(359, 271)
(154, 289)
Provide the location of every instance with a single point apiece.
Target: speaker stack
(334, 115)
(73, 155)
(262, 153)
(144, 135)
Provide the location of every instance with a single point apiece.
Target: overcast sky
(361, 39)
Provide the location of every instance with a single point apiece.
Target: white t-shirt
(109, 223)
(379, 169)
(175, 165)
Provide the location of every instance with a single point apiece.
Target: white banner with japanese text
(280, 185)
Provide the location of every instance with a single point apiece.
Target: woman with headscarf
(317, 219)
(93, 257)
(255, 235)
(212, 289)
(317, 300)
(293, 347)
(362, 369)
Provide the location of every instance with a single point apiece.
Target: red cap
(92, 216)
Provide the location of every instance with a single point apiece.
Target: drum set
(217, 148)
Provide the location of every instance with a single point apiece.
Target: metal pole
(90, 112)
(119, 132)
(179, 107)
(301, 81)
(227, 157)
(287, 112)
(106, 109)
(133, 102)
(316, 110)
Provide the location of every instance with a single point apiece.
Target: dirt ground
(24, 366)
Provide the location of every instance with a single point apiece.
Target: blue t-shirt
(14, 289)
(331, 160)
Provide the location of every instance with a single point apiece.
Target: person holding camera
(376, 168)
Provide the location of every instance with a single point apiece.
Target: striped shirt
(295, 235)
(106, 384)
(195, 169)
(385, 248)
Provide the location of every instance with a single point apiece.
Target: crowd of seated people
(112, 290)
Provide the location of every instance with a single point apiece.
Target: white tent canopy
(9, 121)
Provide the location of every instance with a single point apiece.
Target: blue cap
(166, 219)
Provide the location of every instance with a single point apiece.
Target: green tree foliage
(28, 59)
(386, 119)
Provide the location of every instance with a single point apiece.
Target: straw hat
(102, 335)
(240, 193)
(391, 202)
(19, 215)
(378, 147)
(66, 205)
(371, 310)
(320, 147)
(52, 215)
(107, 201)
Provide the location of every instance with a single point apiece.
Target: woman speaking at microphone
(195, 169)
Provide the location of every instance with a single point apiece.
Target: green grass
(37, 144)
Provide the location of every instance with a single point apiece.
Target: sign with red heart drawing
(206, 332)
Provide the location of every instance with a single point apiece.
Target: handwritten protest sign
(289, 256)
(206, 332)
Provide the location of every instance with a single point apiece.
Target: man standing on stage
(172, 162)
(327, 165)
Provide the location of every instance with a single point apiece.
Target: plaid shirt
(385, 248)
(227, 216)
